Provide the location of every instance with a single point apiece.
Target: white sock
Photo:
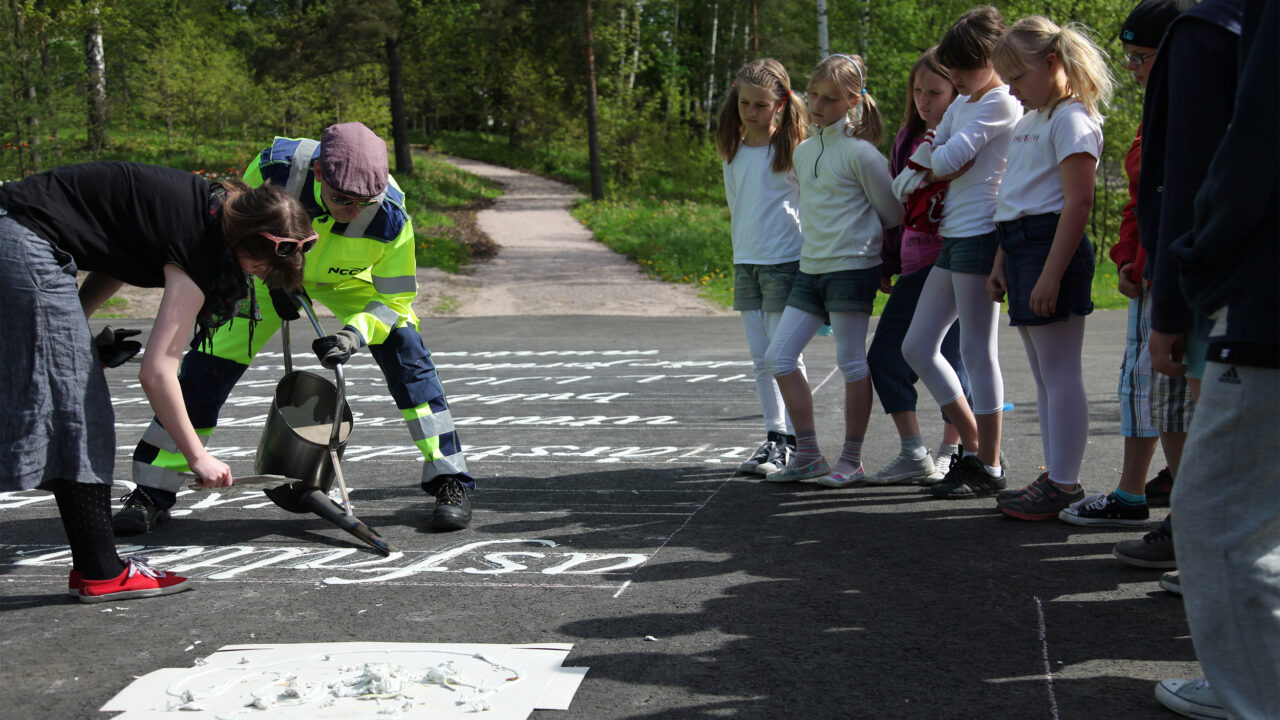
(913, 447)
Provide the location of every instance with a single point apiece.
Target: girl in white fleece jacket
(847, 201)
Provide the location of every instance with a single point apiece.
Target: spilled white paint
(357, 680)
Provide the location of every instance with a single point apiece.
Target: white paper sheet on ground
(321, 681)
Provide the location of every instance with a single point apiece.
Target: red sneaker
(74, 581)
(138, 580)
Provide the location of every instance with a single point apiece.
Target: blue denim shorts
(763, 287)
(842, 291)
(1026, 242)
(969, 255)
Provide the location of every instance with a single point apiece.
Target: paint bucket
(295, 440)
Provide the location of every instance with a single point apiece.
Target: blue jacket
(1189, 99)
(1231, 259)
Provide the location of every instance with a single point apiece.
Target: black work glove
(335, 349)
(114, 349)
(286, 304)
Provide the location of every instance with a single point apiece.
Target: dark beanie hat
(353, 160)
(1147, 22)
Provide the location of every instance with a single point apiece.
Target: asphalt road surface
(610, 516)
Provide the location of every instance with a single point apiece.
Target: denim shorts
(763, 287)
(969, 255)
(1026, 242)
(841, 291)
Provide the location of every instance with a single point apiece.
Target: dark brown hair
(968, 43)
(766, 74)
(247, 212)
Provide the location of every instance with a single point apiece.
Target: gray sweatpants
(1227, 537)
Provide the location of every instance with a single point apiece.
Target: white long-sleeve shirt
(764, 208)
(846, 200)
(980, 131)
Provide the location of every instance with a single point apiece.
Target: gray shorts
(763, 287)
(58, 424)
(842, 291)
(969, 255)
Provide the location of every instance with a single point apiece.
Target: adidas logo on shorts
(1230, 376)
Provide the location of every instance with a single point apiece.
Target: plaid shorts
(1171, 403)
(1135, 373)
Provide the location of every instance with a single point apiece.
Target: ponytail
(729, 126)
(868, 124)
(1085, 68)
(1033, 38)
(791, 132)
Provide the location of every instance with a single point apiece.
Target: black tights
(86, 516)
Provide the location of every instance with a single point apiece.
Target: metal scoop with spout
(304, 437)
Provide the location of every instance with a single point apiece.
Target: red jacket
(1127, 249)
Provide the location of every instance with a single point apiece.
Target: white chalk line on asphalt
(825, 379)
(1048, 668)
(670, 537)
(44, 579)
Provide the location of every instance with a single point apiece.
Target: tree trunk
(97, 91)
(635, 50)
(593, 129)
(711, 68)
(755, 29)
(824, 44)
(399, 124)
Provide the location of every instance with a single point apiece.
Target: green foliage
(435, 187)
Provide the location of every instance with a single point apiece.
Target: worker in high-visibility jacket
(362, 267)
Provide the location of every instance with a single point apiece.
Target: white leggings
(1054, 353)
(798, 327)
(946, 296)
(760, 327)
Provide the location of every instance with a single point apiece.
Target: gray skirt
(57, 424)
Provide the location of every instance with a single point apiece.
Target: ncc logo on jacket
(345, 271)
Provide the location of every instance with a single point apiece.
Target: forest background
(205, 84)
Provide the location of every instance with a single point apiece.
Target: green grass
(434, 188)
(563, 162)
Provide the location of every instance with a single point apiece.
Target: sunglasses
(347, 202)
(1138, 59)
(288, 246)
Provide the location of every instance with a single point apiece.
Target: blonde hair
(849, 74)
(1034, 38)
(766, 74)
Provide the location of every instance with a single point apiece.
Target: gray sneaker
(1171, 582)
(778, 457)
(1154, 550)
(761, 454)
(942, 463)
(904, 470)
(1041, 501)
(1192, 698)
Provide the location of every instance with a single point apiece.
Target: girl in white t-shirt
(1045, 261)
(968, 149)
(761, 122)
(847, 201)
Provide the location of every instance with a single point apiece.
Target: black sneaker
(140, 514)
(1106, 510)
(968, 479)
(780, 453)
(453, 509)
(761, 454)
(1158, 489)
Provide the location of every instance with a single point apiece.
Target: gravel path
(549, 264)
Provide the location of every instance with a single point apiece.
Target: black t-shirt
(127, 220)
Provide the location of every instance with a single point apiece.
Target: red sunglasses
(288, 246)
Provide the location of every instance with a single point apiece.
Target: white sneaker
(1192, 698)
(903, 470)
(941, 466)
